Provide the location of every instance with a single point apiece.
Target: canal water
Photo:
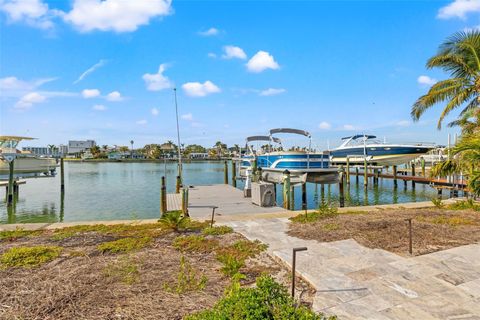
(107, 191)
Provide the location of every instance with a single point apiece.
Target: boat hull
(28, 165)
(378, 155)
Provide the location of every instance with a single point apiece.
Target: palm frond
(445, 168)
(456, 101)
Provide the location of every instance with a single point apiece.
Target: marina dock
(229, 201)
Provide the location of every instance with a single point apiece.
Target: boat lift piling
(286, 189)
(234, 175)
(62, 176)
(163, 197)
(413, 175)
(348, 171)
(394, 169)
(340, 188)
(10, 191)
(304, 196)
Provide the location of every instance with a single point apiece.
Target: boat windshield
(360, 140)
(8, 144)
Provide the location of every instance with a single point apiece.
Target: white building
(59, 151)
(78, 146)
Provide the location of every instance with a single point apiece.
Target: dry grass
(433, 229)
(84, 283)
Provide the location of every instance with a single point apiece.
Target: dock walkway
(228, 200)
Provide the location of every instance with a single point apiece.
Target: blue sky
(87, 69)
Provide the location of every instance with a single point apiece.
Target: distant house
(119, 155)
(198, 155)
(168, 149)
(78, 146)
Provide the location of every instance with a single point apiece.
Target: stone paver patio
(355, 282)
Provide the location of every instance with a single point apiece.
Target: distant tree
(194, 148)
(105, 147)
(95, 150)
(123, 149)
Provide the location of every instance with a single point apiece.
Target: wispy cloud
(90, 70)
(459, 9)
(324, 125)
(114, 96)
(272, 92)
(99, 107)
(209, 32)
(348, 127)
(197, 89)
(233, 52)
(28, 100)
(154, 112)
(157, 81)
(14, 87)
(426, 80)
(187, 116)
(141, 122)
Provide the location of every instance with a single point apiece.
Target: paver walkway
(355, 282)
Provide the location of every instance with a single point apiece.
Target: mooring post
(410, 243)
(286, 189)
(62, 175)
(163, 197)
(294, 266)
(365, 172)
(185, 202)
(422, 163)
(356, 174)
(213, 216)
(177, 186)
(347, 177)
(395, 176)
(10, 191)
(340, 189)
(234, 174)
(254, 170)
(304, 196)
(225, 172)
(413, 175)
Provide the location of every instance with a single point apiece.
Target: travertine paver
(355, 282)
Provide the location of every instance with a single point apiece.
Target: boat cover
(289, 130)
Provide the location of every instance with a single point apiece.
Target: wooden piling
(356, 174)
(413, 174)
(225, 172)
(365, 172)
(62, 176)
(234, 174)
(163, 197)
(286, 189)
(395, 176)
(10, 191)
(423, 166)
(341, 190)
(375, 176)
(347, 177)
(185, 201)
(304, 196)
(178, 184)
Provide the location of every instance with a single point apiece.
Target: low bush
(217, 230)
(195, 243)
(437, 202)
(233, 257)
(29, 256)
(125, 270)
(17, 233)
(324, 211)
(124, 245)
(464, 205)
(129, 230)
(268, 300)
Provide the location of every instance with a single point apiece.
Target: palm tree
(51, 147)
(459, 56)
(131, 151)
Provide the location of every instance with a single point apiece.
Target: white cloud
(14, 87)
(261, 61)
(157, 81)
(426, 80)
(211, 55)
(403, 123)
(32, 12)
(28, 100)
(97, 65)
(141, 122)
(197, 89)
(154, 112)
(459, 9)
(114, 96)
(115, 15)
(231, 52)
(187, 116)
(99, 107)
(271, 92)
(90, 93)
(209, 32)
(325, 125)
(348, 127)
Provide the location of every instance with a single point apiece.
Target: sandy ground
(432, 229)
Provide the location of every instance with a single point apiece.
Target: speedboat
(303, 164)
(361, 147)
(25, 163)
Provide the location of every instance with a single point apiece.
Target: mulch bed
(433, 229)
(75, 286)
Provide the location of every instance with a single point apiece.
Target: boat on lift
(361, 146)
(303, 164)
(25, 163)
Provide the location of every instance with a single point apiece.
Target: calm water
(106, 191)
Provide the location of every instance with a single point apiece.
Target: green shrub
(231, 264)
(268, 300)
(324, 211)
(217, 230)
(195, 243)
(29, 256)
(187, 279)
(124, 245)
(18, 233)
(233, 257)
(129, 230)
(464, 205)
(174, 220)
(437, 202)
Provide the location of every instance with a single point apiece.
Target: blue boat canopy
(355, 137)
(289, 130)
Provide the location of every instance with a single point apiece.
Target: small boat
(25, 163)
(361, 147)
(303, 164)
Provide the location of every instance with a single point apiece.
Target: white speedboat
(361, 146)
(25, 163)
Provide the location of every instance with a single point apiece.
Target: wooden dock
(17, 182)
(419, 179)
(228, 200)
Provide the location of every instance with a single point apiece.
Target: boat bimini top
(11, 142)
(261, 138)
(289, 130)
